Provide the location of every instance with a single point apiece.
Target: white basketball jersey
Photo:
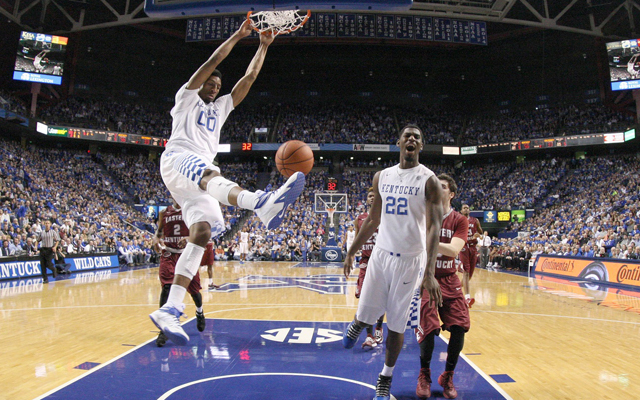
(244, 237)
(350, 236)
(403, 217)
(196, 125)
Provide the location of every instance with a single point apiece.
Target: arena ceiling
(613, 19)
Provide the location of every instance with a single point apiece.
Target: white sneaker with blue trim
(272, 206)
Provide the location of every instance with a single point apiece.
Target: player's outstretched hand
(245, 29)
(267, 37)
(431, 285)
(348, 264)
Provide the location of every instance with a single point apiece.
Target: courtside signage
(31, 267)
(623, 272)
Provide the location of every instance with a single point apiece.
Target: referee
(49, 240)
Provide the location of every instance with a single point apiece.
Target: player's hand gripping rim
(431, 285)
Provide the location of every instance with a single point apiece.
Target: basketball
(294, 156)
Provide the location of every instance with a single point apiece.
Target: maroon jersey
(473, 229)
(368, 245)
(174, 228)
(454, 225)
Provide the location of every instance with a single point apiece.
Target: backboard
(336, 201)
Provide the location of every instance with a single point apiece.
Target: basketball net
(330, 212)
(278, 22)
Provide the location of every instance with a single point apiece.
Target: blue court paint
(281, 360)
(502, 378)
(323, 283)
(87, 365)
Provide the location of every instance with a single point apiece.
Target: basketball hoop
(278, 22)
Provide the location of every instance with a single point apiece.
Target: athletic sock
(176, 295)
(199, 309)
(248, 200)
(387, 371)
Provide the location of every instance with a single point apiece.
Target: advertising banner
(489, 216)
(23, 267)
(606, 270)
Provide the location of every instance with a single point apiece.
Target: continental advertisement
(605, 270)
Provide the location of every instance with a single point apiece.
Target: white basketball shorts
(182, 172)
(388, 287)
(244, 248)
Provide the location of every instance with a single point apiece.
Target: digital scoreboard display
(331, 185)
(40, 58)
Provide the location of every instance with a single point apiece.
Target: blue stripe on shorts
(192, 167)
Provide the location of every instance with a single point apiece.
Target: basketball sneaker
(213, 287)
(167, 319)
(161, 340)
(446, 381)
(201, 322)
(383, 388)
(350, 335)
(378, 335)
(470, 302)
(272, 206)
(423, 390)
(369, 342)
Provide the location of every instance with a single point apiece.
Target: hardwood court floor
(556, 340)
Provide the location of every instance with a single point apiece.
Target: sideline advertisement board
(24, 267)
(605, 270)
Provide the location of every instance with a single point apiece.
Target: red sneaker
(470, 302)
(423, 390)
(446, 381)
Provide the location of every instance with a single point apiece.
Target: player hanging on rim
(408, 208)
(170, 240)
(454, 311)
(469, 253)
(373, 339)
(196, 184)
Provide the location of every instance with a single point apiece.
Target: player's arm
(479, 230)
(158, 243)
(458, 240)
(241, 88)
(204, 72)
(434, 223)
(369, 226)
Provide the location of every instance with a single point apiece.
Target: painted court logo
(302, 335)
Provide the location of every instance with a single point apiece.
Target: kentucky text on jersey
(400, 189)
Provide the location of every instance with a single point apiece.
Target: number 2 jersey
(174, 229)
(196, 124)
(403, 218)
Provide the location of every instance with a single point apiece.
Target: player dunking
(469, 253)
(196, 184)
(170, 240)
(373, 339)
(453, 312)
(408, 208)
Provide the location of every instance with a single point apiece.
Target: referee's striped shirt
(48, 239)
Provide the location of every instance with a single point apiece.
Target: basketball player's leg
(194, 290)
(427, 331)
(268, 206)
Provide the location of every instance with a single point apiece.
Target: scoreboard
(589, 139)
(353, 25)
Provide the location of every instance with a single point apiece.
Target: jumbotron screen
(624, 64)
(40, 58)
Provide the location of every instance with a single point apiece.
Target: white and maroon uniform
(175, 231)
(398, 258)
(367, 247)
(454, 310)
(469, 253)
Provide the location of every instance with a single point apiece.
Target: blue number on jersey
(207, 122)
(398, 207)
